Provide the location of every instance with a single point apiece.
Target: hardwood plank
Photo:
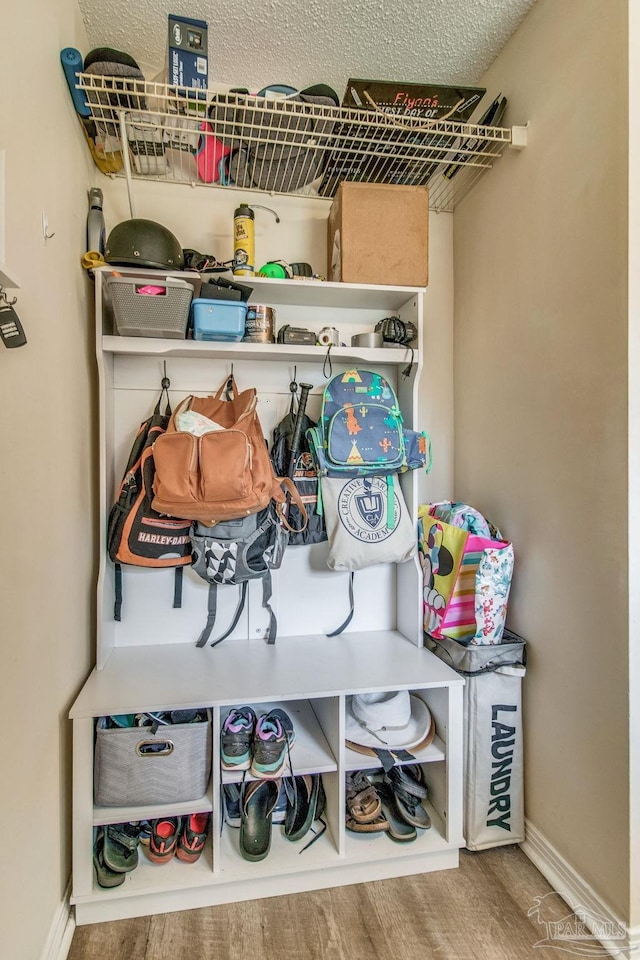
(477, 911)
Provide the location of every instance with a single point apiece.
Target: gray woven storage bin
(124, 774)
(140, 315)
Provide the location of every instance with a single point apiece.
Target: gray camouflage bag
(236, 551)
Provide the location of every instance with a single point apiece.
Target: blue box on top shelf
(218, 320)
(188, 57)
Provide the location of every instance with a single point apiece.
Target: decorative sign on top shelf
(407, 106)
(423, 101)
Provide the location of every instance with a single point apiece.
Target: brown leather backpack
(222, 475)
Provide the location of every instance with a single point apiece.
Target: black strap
(117, 606)
(177, 588)
(266, 597)
(403, 755)
(349, 618)
(163, 393)
(211, 615)
(327, 360)
(213, 605)
(388, 758)
(236, 616)
(385, 757)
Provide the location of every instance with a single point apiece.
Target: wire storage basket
(285, 145)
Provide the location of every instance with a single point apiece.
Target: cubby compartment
(319, 844)
(310, 752)
(151, 878)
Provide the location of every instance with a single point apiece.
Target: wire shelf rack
(144, 130)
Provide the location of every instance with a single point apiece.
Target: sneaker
(164, 839)
(145, 833)
(282, 804)
(193, 837)
(287, 724)
(231, 803)
(236, 738)
(273, 738)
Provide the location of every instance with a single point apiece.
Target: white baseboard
(617, 939)
(61, 931)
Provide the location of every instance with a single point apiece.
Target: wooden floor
(478, 912)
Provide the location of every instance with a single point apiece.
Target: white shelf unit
(149, 661)
(165, 129)
(309, 676)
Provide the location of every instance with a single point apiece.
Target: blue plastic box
(188, 55)
(218, 320)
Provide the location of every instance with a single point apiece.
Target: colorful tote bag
(466, 580)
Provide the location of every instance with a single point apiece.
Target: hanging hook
(45, 228)
(3, 296)
(293, 389)
(165, 383)
(229, 385)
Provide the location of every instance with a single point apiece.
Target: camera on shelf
(329, 337)
(296, 335)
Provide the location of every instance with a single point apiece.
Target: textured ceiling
(317, 41)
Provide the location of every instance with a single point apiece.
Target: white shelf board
(323, 293)
(182, 676)
(309, 754)
(331, 872)
(151, 811)
(302, 293)
(360, 761)
(208, 350)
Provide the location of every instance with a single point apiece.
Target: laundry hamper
(493, 751)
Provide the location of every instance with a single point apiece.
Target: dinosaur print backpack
(360, 430)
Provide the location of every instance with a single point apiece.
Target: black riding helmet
(143, 243)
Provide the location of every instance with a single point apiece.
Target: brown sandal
(373, 826)
(363, 802)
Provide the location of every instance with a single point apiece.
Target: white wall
(634, 457)
(541, 412)
(46, 471)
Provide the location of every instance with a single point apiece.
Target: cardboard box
(379, 233)
(188, 59)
